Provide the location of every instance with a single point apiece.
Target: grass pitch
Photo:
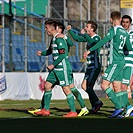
(14, 117)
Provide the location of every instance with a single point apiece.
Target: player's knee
(104, 86)
(48, 86)
(124, 87)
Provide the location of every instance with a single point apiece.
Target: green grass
(15, 118)
(18, 108)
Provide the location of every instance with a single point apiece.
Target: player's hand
(50, 67)
(86, 53)
(39, 53)
(60, 36)
(68, 27)
(82, 31)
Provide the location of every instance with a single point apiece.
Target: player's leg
(41, 87)
(47, 98)
(113, 74)
(37, 109)
(125, 83)
(77, 95)
(70, 101)
(65, 79)
(75, 91)
(112, 96)
(80, 100)
(88, 84)
(50, 82)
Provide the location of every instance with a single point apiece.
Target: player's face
(88, 28)
(125, 23)
(49, 29)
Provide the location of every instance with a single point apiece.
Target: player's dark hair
(127, 17)
(115, 15)
(61, 26)
(51, 22)
(93, 25)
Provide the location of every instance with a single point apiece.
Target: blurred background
(22, 30)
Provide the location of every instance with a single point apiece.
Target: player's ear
(111, 19)
(53, 28)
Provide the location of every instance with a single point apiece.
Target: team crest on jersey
(96, 38)
(108, 34)
(60, 44)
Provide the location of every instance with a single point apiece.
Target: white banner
(24, 86)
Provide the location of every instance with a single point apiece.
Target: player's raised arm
(99, 44)
(77, 38)
(69, 41)
(91, 40)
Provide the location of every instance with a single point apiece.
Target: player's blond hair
(115, 15)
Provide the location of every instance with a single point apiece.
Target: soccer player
(118, 37)
(93, 65)
(60, 72)
(76, 93)
(127, 71)
(60, 28)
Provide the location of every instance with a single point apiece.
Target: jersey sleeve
(47, 52)
(62, 50)
(106, 39)
(76, 37)
(69, 41)
(92, 40)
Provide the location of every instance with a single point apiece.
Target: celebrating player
(118, 37)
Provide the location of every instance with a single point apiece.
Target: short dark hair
(115, 15)
(127, 17)
(61, 26)
(51, 22)
(93, 25)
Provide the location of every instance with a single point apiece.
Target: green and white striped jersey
(129, 54)
(60, 59)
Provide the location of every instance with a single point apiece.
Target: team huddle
(116, 78)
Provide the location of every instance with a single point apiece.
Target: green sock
(47, 99)
(70, 101)
(119, 96)
(78, 97)
(125, 99)
(112, 96)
